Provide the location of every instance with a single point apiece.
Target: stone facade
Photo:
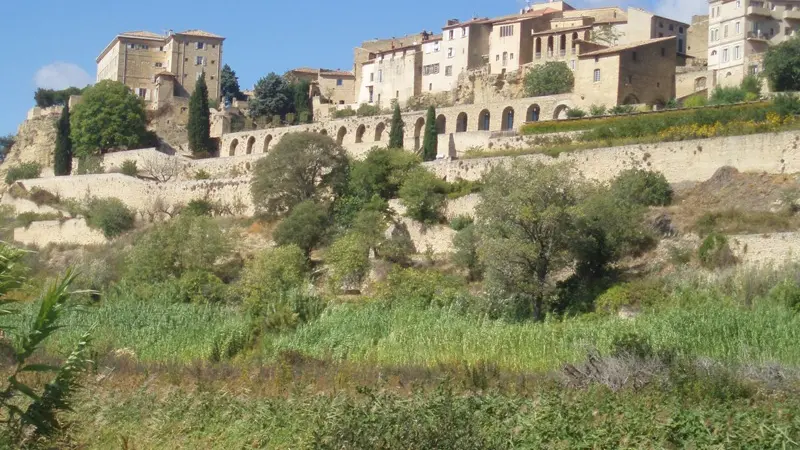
(333, 86)
(697, 40)
(691, 80)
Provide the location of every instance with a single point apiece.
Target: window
(680, 30)
(511, 56)
(725, 33)
(671, 27)
(450, 53)
(754, 69)
(430, 69)
(380, 76)
(430, 86)
(198, 75)
(724, 55)
(596, 75)
(497, 58)
(372, 76)
(630, 79)
(660, 24)
(142, 92)
(738, 3)
(161, 49)
(339, 82)
(464, 32)
(201, 45)
(448, 71)
(212, 62)
(572, 64)
(737, 52)
(212, 77)
(213, 45)
(396, 94)
(660, 35)
(158, 64)
(633, 55)
(200, 61)
(738, 28)
(450, 34)
(507, 30)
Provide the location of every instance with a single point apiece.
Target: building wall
(435, 61)
(343, 94)
(398, 75)
(108, 68)
(643, 25)
(650, 77)
(603, 92)
(697, 39)
(186, 69)
(691, 80)
(505, 51)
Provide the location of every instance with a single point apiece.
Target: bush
(460, 222)
(129, 168)
(751, 84)
(109, 215)
(642, 187)
(367, 110)
(304, 117)
(549, 78)
(398, 248)
(348, 259)
(23, 171)
(343, 113)
(43, 197)
(639, 293)
(462, 188)
(201, 287)
(622, 109)
(423, 195)
(786, 293)
(727, 95)
(381, 173)
(305, 226)
(276, 121)
(199, 207)
(420, 288)
(290, 118)
(715, 252)
(576, 113)
(597, 110)
(202, 175)
(695, 101)
(465, 244)
(786, 104)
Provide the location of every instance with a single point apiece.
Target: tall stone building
(741, 31)
(158, 67)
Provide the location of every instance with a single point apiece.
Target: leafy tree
(549, 78)
(526, 221)
(381, 173)
(62, 159)
(465, 243)
(271, 97)
(752, 85)
(300, 100)
(109, 215)
(109, 117)
(302, 166)
(430, 142)
(642, 187)
(46, 98)
(305, 226)
(229, 84)
(6, 142)
(348, 258)
(396, 129)
(370, 225)
(199, 126)
(782, 66)
(423, 195)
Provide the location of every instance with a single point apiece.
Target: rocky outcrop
(35, 141)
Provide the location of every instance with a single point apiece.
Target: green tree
(642, 187)
(109, 117)
(782, 66)
(6, 142)
(430, 142)
(229, 84)
(396, 130)
(199, 126)
(465, 244)
(423, 194)
(549, 78)
(305, 226)
(300, 100)
(109, 215)
(271, 97)
(348, 258)
(62, 158)
(46, 98)
(302, 166)
(381, 173)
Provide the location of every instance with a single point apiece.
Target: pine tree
(199, 126)
(396, 131)
(62, 159)
(229, 84)
(430, 143)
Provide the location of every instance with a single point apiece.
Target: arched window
(234, 144)
(461, 123)
(533, 113)
(340, 135)
(379, 131)
(483, 120)
(250, 143)
(508, 119)
(441, 124)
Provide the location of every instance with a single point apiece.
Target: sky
(54, 43)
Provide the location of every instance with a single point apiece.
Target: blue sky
(54, 43)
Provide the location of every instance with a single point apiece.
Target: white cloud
(61, 75)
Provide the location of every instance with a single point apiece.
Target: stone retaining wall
(74, 232)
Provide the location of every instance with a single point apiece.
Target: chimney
(452, 22)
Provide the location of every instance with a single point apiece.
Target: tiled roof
(143, 35)
(525, 16)
(330, 72)
(200, 33)
(622, 48)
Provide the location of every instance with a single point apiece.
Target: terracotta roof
(143, 35)
(200, 33)
(622, 48)
(337, 73)
(520, 17)
(467, 23)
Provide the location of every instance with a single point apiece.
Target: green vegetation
(62, 157)
(343, 113)
(305, 226)
(110, 216)
(367, 110)
(6, 142)
(781, 66)
(396, 129)
(129, 168)
(576, 113)
(348, 258)
(715, 252)
(46, 98)
(423, 195)
(229, 84)
(110, 117)
(642, 187)
(23, 171)
(549, 78)
(199, 125)
(430, 140)
(272, 96)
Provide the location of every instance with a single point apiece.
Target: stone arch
(631, 99)
(360, 133)
(484, 120)
(418, 126)
(538, 48)
(700, 83)
(340, 135)
(574, 45)
(560, 112)
(232, 150)
(267, 141)
(461, 122)
(550, 45)
(250, 143)
(441, 124)
(562, 45)
(533, 113)
(507, 119)
(379, 129)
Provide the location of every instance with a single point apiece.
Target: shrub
(548, 79)
(305, 226)
(715, 252)
(622, 109)
(348, 259)
(646, 292)
(129, 168)
(597, 110)
(727, 95)
(23, 171)
(642, 187)
(109, 215)
(465, 244)
(786, 104)
(576, 113)
(423, 195)
(90, 164)
(202, 175)
(276, 121)
(199, 207)
(462, 188)
(695, 101)
(343, 113)
(671, 104)
(201, 287)
(420, 288)
(460, 222)
(751, 84)
(304, 117)
(787, 293)
(381, 173)
(290, 118)
(367, 110)
(25, 219)
(398, 248)
(43, 197)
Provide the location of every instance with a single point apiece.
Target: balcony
(758, 11)
(758, 36)
(793, 14)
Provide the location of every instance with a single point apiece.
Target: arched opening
(340, 135)
(586, 35)
(538, 48)
(700, 83)
(418, 125)
(560, 112)
(379, 131)
(574, 42)
(234, 144)
(533, 113)
(360, 134)
(441, 124)
(250, 143)
(562, 45)
(508, 119)
(550, 44)
(267, 141)
(323, 132)
(461, 123)
(631, 99)
(483, 120)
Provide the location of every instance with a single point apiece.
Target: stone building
(157, 67)
(334, 86)
(697, 40)
(741, 31)
(637, 73)
(395, 74)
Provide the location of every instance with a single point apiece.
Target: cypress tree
(396, 131)
(199, 126)
(430, 142)
(62, 159)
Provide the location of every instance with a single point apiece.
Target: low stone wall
(74, 232)
(762, 249)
